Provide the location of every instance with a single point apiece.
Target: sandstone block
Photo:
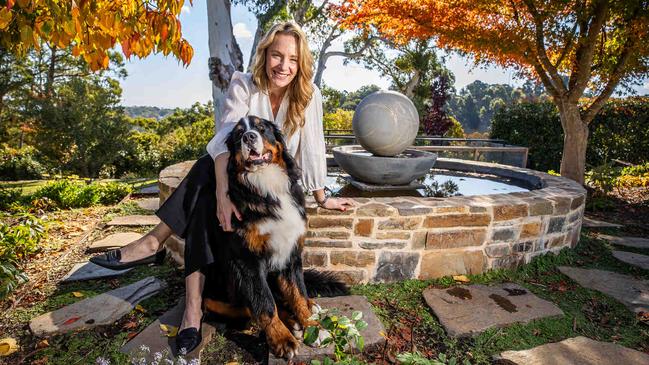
(556, 224)
(364, 227)
(419, 240)
(320, 222)
(352, 258)
(497, 250)
(438, 264)
(540, 207)
(531, 230)
(335, 235)
(381, 245)
(327, 243)
(453, 239)
(410, 208)
(577, 202)
(507, 212)
(376, 210)
(522, 247)
(314, 258)
(393, 235)
(504, 234)
(396, 266)
(400, 223)
(457, 220)
(561, 204)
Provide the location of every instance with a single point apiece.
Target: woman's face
(282, 61)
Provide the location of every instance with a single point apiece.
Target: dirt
(629, 207)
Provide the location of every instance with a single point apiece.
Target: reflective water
(438, 184)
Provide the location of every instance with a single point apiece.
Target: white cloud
(185, 9)
(241, 31)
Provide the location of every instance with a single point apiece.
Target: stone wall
(391, 239)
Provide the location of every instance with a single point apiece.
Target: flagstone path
(576, 351)
(113, 241)
(594, 223)
(149, 190)
(635, 259)
(151, 204)
(471, 309)
(633, 293)
(135, 220)
(635, 242)
(89, 271)
(102, 309)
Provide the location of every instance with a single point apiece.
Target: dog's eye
(261, 129)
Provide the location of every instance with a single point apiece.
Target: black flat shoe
(110, 260)
(188, 339)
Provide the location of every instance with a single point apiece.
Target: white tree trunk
(225, 55)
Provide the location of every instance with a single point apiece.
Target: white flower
(101, 361)
(145, 348)
(157, 356)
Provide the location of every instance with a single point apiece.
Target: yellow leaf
(382, 334)
(461, 278)
(140, 308)
(5, 17)
(8, 346)
(170, 331)
(77, 294)
(232, 363)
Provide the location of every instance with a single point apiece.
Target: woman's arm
(224, 206)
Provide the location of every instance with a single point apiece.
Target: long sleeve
(311, 156)
(235, 107)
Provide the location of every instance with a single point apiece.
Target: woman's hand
(337, 204)
(224, 210)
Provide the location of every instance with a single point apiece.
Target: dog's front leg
(291, 285)
(261, 303)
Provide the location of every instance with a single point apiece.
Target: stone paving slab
(635, 259)
(113, 241)
(576, 351)
(151, 204)
(633, 293)
(135, 220)
(636, 242)
(149, 190)
(594, 223)
(346, 305)
(89, 271)
(156, 340)
(472, 309)
(99, 310)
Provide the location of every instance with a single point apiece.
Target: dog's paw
(297, 330)
(315, 308)
(282, 343)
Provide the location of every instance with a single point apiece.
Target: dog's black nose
(249, 137)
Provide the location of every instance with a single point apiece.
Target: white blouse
(306, 145)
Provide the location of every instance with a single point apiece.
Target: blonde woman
(279, 89)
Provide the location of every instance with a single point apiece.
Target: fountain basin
(385, 239)
(398, 170)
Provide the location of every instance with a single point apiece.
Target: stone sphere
(385, 123)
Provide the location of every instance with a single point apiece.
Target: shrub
(619, 131)
(340, 119)
(9, 197)
(19, 164)
(67, 193)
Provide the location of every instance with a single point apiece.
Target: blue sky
(164, 82)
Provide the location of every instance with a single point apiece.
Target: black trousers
(190, 212)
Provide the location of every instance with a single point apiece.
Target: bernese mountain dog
(257, 271)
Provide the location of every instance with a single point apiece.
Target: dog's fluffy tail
(324, 284)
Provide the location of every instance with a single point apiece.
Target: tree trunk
(225, 55)
(575, 141)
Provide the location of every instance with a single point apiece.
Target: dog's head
(255, 143)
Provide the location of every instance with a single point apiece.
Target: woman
(278, 89)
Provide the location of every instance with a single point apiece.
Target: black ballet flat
(188, 339)
(110, 260)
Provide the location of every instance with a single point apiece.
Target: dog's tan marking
(226, 309)
(277, 150)
(280, 339)
(257, 243)
(296, 302)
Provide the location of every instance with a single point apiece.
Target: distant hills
(147, 112)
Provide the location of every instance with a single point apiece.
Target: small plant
(603, 177)
(70, 193)
(141, 355)
(416, 358)
(8, 198)
(341, 331)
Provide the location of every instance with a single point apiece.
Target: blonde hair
(300, 90)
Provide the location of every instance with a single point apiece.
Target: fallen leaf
(170, 331)
(8, 346)
(71, 320)
(42, 344)
(232, 363)
(461, 278)
(130, 335)
(140, 308)
(42, 361)
(77, 294)
(382, 334)
(130, 325)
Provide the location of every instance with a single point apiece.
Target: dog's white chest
(283, 232)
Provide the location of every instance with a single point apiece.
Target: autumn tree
(92, 28)
(571, 46)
